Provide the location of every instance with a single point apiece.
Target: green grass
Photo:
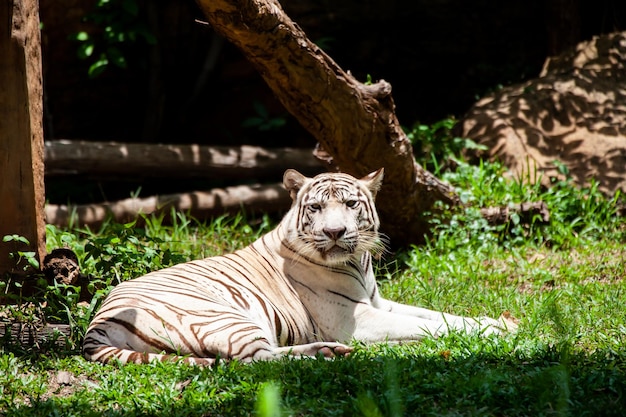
(563, 281)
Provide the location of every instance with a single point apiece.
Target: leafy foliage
(435, 145)
(575, 212)
(20, 256)
(119, 28)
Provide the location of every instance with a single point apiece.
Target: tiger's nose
(334, 232)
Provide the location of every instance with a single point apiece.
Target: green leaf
(98, 67)
(15, 238)
(32, 261)
(85, 50)
(81, 36)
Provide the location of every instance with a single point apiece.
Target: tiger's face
(333, 219)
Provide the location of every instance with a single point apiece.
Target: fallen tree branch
(525, 211)
(30, 335)
(199, 204)
(114, 159)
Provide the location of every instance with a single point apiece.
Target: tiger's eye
(315, 207)
(351, 203)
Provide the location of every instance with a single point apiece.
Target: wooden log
(200, 204)
(525, 213)
(115, 160)
(31, 335)
(21, 132)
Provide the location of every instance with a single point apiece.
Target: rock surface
(573, 113)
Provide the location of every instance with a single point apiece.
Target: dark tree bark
(354, 123)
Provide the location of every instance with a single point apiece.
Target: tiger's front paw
(326, 349)
(335, 350)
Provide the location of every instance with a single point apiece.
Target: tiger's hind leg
(137, 335)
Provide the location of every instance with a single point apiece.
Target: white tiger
(305, 288)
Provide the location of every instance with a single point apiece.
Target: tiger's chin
(336, 254)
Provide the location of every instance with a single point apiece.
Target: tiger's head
(333, 219)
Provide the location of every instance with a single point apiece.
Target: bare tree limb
(114, 159)
(354, 123)
(525, 211)
(29, 335)
(200, 204)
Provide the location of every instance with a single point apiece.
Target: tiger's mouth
(336, 250)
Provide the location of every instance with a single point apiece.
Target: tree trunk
(354, 123)
(21, 132)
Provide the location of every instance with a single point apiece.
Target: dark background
(192, 87)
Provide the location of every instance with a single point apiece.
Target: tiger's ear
(374, 180)
(293, 181)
